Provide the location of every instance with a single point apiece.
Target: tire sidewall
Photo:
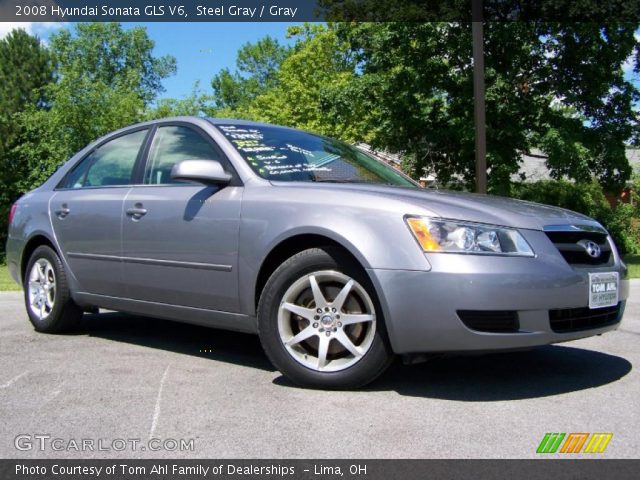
(364, 371)
(53, 322)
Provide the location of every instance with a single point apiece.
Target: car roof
(213, 120)
(250, 123)
(236, 121)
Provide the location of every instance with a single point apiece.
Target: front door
(180, 239)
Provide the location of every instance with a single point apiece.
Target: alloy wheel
(42, 288)
(326, 321)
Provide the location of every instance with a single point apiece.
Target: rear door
(86, 212)
(180, 239)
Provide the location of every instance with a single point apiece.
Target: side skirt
(198, 316)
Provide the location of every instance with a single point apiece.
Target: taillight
(12, 212)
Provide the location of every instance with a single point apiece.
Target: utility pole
(478, 96)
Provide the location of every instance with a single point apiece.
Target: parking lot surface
(126, 379)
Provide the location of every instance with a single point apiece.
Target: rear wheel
(319, 321)
(46, 293)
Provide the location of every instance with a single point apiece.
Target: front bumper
(420, 307)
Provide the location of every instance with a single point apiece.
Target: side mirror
(209, 172)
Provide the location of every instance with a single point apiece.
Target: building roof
(534, 165)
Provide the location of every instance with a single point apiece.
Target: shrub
(622, 222)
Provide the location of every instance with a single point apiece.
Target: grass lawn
(6, 282)
(633, 264)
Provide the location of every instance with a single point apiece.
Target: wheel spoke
(318, 297)
(301, 336)
(328, 301)
(40, 270)
(48, 274)
(323, 348)
(48, 302)
(338, 302)
(353, 318)
(346, 342)
(300, 311)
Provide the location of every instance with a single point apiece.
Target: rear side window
(172, 144)
(111, 164)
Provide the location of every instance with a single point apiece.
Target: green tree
(257, 66)
(25, 70)
(556, 86)
(408, 87)
(196, 104)
(108, 54)
(317, 67)
(105, 78)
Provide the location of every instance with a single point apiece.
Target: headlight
(451, 236)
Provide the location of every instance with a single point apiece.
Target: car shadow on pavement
(220, 345)
(541, 372)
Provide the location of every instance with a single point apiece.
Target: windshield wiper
(338, 180)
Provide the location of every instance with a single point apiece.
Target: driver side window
(172, 144)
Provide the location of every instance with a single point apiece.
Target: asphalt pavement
(121, 380)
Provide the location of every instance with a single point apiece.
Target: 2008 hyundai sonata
(335, 259)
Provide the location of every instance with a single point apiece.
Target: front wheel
(320, 323)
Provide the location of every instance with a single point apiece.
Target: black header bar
(597, 11)
(120, 469)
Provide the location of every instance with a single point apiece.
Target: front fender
(377, 237)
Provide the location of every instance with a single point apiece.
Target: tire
(317, 331)
(46, 293)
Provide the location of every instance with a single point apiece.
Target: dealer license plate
(603, 289)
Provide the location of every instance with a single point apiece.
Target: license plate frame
(604, 289)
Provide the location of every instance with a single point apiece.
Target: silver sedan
(338, 261)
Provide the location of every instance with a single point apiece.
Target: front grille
(494, 321)
(569, 245)
(575, 319)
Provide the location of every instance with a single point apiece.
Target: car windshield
(283, 154)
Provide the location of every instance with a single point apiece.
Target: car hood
(466, 206)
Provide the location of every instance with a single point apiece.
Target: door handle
(137, 212)
(63, 211)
